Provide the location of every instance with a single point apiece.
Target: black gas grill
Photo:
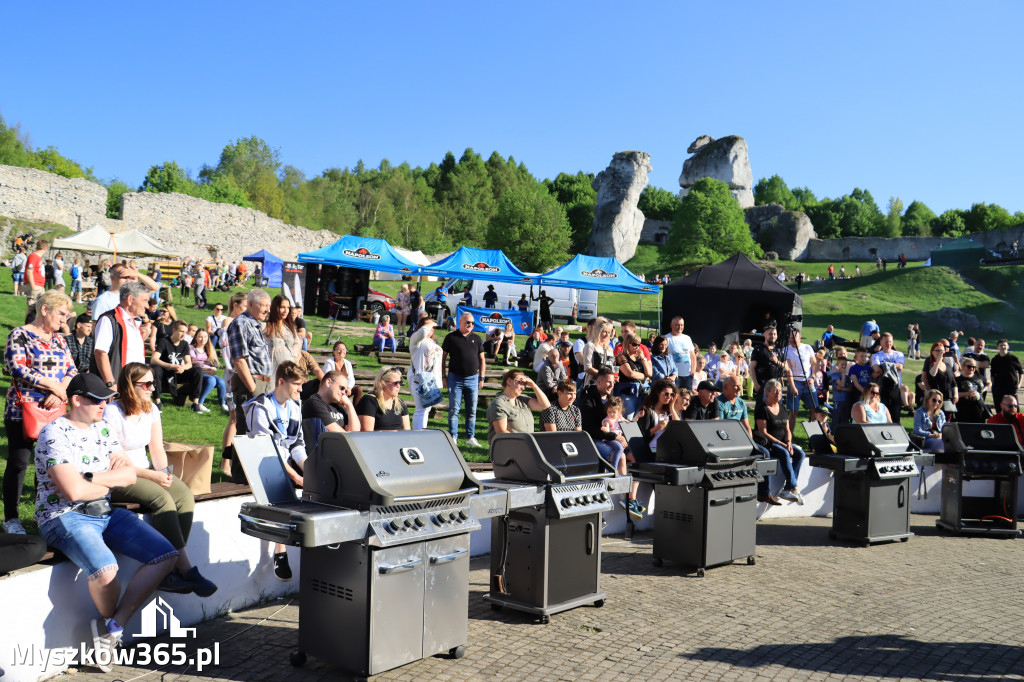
(980, 452)
(384, 528)
(873, 467)
(546, 553)
(705, 492)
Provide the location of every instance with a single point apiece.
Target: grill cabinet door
(446, 594)
(396, 607)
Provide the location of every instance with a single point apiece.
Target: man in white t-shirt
(118, 336)
(680, 346)
(891, 380)
(799, 357)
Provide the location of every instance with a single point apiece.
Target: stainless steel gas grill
(980, 452)
(873, 468)
(384, 529)
(705, 493)
(546, 552)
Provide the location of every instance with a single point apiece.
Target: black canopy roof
(721, 301)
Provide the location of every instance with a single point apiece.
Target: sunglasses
(393, 383)
(875, 393)
(145, 385)
(89, 400)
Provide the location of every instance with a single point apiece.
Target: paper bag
(192, 464)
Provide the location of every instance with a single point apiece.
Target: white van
(570, 306)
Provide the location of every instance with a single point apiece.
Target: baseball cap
(84, 318)
(92, 386)
(706, 386)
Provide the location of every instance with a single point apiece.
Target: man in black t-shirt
(329, 409)
(705, 407)
(173, 362)
(764, 363)
(462, 376)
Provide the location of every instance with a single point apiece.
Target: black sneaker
(175, 583)
(282, 571)
(201, 586)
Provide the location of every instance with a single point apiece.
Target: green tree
(917, 220)
(984, 217)
(892, 219)
(14, 147)
(825, 217)
(658, 204)
(252, 165)
(775, 191)
(709, 226)
(859, 215)
(466, 200)
(115, 188)
(52, 161)
(949, 224)
(577, 195)
(805, 198)
(168, 177)
(531, 227)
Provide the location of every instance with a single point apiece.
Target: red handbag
(34, 416)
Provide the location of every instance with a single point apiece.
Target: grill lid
(978, 441)
(546, 457)
(872, 440)
(697, 443)
(361, 469)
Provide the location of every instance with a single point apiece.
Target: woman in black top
(383, 410)
(772, 422)
(939, 375)
(634, 372)
(970, 387)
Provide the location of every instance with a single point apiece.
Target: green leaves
(709, 226)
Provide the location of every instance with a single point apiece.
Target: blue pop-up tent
(485, 264)
(271, 265)
(592, 272)
(364, 253)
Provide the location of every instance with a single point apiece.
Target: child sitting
(613, 415)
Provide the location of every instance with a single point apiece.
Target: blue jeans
(790, 467)
(90, 541)
(804, 392)
(456, 386)
(209, 382)
(611, 450)
(392, 341)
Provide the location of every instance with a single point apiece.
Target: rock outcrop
(788, 233)
(954, 318)
(726, 160)
(617, 220)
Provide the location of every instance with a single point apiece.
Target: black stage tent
(719, 302)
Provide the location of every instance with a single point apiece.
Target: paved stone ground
(938, 607)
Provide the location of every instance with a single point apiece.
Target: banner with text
(488, 318)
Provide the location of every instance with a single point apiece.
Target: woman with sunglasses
(136, 424)
(929, 420)
(41, 366)
(426, 360)
(870, 410)
(970, 388)
(938, 374)
(383, 410)
(659, 408)
(634, 375)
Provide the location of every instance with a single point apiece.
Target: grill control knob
(452, 516)
(408, 522)
(420, 521)
(463, 514)
(579, 500)
(388, 528)
(602, 497)
(394, 525)
(566, 502)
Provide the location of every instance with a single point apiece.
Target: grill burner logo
(599, 273)
(382, 473)
(361, 252)
(480, 267)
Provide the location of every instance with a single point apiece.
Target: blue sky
(920, 100)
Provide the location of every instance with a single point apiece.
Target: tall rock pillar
(617, 220)
(726, 160)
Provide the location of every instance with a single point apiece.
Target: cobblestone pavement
(938, 607)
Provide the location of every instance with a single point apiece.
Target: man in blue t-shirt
(732, 406)
(860, 374)
(490, 297)
(467, 298)
(865, 333)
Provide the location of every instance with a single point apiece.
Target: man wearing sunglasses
(1009, 414)
(462, 377)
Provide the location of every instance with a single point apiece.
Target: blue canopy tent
(485, 264)
(592, 272)
(271, 266)
(364, 253)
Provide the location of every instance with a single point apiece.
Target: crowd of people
(85, 405)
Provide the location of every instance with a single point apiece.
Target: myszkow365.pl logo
(156, 616)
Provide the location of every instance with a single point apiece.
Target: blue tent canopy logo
(361, 252)
(480, 267)
(599, 274)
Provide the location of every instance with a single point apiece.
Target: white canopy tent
(416, 257)
(97, 240)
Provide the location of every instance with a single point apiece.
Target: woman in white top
(402, 309)
(426, 359)
(283, 341)
(136, 423)
(598, 351)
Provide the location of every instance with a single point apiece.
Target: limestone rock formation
(617, 220)
(726, 160)
(954, 318)
(788, 233)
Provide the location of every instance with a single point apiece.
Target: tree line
(858, 215)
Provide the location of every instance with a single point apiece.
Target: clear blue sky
(921, 100)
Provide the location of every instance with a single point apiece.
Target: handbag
(427, 389)
(34, 416)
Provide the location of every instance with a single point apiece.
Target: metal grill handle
(391, 569)
(433, 496)
(447, 558)
(268, 525)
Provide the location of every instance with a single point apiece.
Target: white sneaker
(799, 497)
(103, 645)
(790, 495)
(14, 527)
(472, 442)
(224, 406)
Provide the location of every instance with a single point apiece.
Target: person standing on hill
(18, 269)
(1006, 373)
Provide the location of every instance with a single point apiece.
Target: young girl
(613, 415)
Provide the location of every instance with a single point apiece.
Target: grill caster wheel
(657, 561)
(599, 603)
(458, 652)
(751, 560)
(497, 607)
(700, 572)
(544, 620)
(904, 539)
(298, 659)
